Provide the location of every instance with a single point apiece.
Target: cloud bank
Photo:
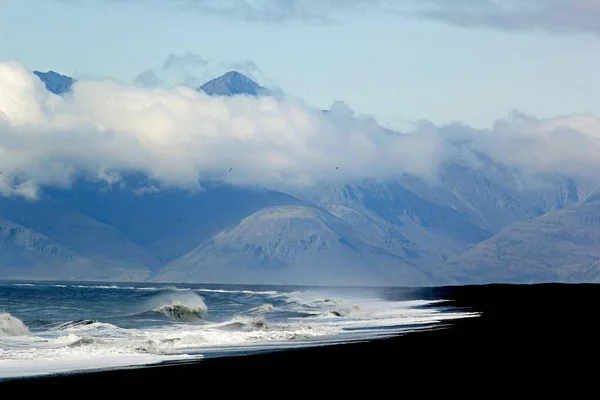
(556, 16)
(179, 136)
(277, 11)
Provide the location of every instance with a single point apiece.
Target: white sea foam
(82, 362)
(265, 293)
(11, 326)
(265, 308)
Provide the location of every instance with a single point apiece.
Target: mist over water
(62, 327)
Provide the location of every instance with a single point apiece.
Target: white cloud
(557, 16)
(178, 136)
(568, 145)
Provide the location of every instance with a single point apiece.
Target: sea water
(58, 327)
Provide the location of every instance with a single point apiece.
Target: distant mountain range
(476, 227)
(230, 84)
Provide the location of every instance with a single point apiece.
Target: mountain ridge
(402, 232)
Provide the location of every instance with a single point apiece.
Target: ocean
(64, 327)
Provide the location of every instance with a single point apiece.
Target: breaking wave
(179, 306)
(11, 326)
(74, 324)
(181, 312)
(245, 324)
(265, 308)
(340, 312)
(81, 324)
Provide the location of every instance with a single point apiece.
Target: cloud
(277, 11)
(179, 136)
(185, 68)
(554, 16)
(567, 145)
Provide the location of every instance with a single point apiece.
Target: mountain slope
(562, 246)
(27, 254)
(121, 228)
(99, 242)
(291, 245)
(55, 82)
(434, 230)
(231, 84)
(169, 222)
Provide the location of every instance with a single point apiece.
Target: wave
(245, 324)
(180, 312)
(11, 326)
(73, 324)
(70, 325)
(85, 341)
(270, 293)
(101, 287)
(310, 301)
(265, 308)
(341, 312)
(113, 287)
(181, 306)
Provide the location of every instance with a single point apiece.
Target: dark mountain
(230, 84)
(55, 82)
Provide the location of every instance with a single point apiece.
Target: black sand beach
(538, 336)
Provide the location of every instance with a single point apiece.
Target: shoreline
(524, 333)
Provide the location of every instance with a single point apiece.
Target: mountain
(55, 82)
(230, 84)
(135, 234)
(293, 244)
(562, 245)
(472, 226)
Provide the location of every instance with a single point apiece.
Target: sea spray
(265, 308)
(11, 326)
(182, 306)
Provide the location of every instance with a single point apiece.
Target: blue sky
(466, 63)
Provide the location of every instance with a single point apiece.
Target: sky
(399, 61)
(516, 83)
